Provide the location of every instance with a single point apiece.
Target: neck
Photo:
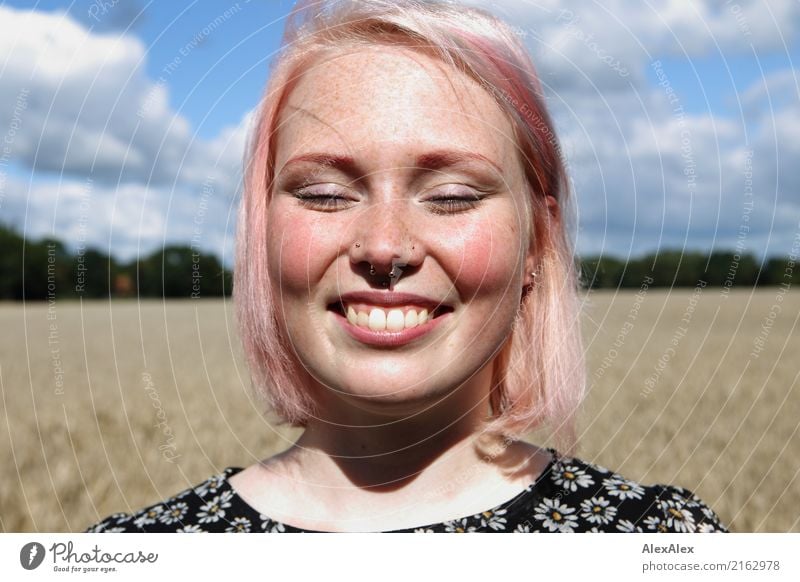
(382, 454)
(357, 464)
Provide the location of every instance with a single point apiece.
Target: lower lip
(389, 338)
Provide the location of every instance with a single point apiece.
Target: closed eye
(455, 198)
(320, 201)
(453, 204)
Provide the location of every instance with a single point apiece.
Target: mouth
(394, 318)
(388, 326)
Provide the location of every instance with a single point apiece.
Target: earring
(371, 269)
(358, 245)
(391, 273)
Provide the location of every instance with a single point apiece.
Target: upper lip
(389, 299)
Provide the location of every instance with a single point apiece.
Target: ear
(530, 267)
(531, 258)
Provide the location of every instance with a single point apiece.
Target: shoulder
(589, 497)
(205, 507)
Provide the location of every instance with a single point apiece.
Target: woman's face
(385, 159)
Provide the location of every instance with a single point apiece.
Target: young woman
(406, 292)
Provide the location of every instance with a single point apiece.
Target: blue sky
(189, 73)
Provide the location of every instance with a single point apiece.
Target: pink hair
(539, 373)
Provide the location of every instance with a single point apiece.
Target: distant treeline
(671, 268)
(45, 269)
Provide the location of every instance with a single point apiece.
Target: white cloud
(90, 107)
(578, 44)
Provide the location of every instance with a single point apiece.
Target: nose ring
(372, 271)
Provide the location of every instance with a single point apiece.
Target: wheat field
(109, 406)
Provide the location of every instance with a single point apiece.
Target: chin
(390, 398)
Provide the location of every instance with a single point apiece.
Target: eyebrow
(439, 159)
(344, 163)
(434, 160)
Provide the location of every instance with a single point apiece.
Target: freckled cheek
(484, 258)
(297, 249)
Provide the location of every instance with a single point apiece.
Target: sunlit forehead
(388, 107)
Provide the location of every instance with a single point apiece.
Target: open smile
(388, 326)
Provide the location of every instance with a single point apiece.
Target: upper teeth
(392, 320)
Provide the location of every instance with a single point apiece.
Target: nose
(384, 241)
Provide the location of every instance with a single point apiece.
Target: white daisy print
(239, 525)
(570, 477)
(627, 526)
(556, 516)
(597, 510)
(266, 522)
(678, 518)
(174, 513)
(459, 526)
(709, 515)
(622, 488)
(684, 497)
(492, 519)
(269, 525)
(211, 485)
(148, 516)
(190, 528)
(213, 510)
(98, 527)
(654, 523)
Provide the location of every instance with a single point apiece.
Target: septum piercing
(372, 271)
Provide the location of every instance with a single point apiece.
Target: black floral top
(569, 496)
